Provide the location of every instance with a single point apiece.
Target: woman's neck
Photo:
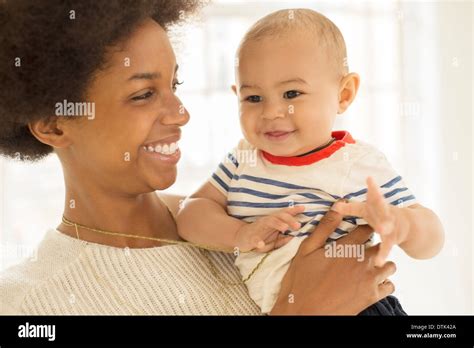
(142, 215)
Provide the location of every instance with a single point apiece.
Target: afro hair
(50, 49)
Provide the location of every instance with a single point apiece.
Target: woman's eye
(254, 99)
(291, 94)
(176, 84)
(143, 96)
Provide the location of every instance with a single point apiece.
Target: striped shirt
(257, 184)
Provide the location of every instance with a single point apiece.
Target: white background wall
(415, 103)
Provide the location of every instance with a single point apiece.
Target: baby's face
(288, 95)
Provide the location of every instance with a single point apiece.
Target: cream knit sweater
(75, 277)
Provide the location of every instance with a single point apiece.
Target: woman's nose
(174, 112)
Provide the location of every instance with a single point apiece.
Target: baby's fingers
(274, 244)
(272, 223)
(295, 210)
(358, 209)
(282, 240)
(385, 247)
(375, 199)
(288, 219)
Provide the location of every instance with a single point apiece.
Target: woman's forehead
(147, 49)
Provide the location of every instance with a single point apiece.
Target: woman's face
(130, 145)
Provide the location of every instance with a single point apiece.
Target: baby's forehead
(307, 26)
(295, 52)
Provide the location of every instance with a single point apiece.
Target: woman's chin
(164, 179)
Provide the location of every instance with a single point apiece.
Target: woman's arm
(319, 285)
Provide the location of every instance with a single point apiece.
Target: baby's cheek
(249, 126)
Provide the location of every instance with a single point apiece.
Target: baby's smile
(278, 136)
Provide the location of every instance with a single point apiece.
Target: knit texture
(75, 277)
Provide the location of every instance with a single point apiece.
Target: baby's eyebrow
(247, 86)
(292, 80)
(297, 79)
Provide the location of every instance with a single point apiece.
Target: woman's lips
(168, 159)
(168, 153)
(278, 136)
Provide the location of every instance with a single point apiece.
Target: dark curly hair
(59, 56)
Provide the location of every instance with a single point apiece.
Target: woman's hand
(319, 285)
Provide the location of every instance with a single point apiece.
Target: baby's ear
(234, 89)
(348, 89)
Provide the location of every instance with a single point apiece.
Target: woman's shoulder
(49, 257)
(14, 286)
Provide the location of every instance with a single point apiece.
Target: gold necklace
(68, 222)
(202, 248)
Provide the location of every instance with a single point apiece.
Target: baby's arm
(425, 233)
(203, 219)
(416, 229)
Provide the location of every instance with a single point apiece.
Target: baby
(292, 80)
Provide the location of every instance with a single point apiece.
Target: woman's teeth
(166, 149)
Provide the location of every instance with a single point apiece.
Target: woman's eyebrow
(149, 75)
(145, 76)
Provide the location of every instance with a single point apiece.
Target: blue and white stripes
(262, 189)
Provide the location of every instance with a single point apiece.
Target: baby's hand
(383, 217)
(263, 234)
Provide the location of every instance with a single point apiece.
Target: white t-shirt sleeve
(375, 164)
(226, 170)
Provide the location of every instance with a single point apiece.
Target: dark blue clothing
(387, 306)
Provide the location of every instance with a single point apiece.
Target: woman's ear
(347, 91)
(49, 131)
(234, 89)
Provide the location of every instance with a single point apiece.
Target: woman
(114, 60)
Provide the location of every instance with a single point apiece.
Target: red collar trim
(342, 138)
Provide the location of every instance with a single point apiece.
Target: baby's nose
(273, 112)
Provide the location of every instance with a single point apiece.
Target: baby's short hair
(284, 22)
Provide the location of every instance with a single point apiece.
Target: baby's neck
(319, 148)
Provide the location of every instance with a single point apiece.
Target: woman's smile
(165, 150)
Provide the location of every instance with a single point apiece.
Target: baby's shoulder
(361, 150)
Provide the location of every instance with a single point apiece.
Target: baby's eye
(291, 94)
(143, 96)
(254, 98)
